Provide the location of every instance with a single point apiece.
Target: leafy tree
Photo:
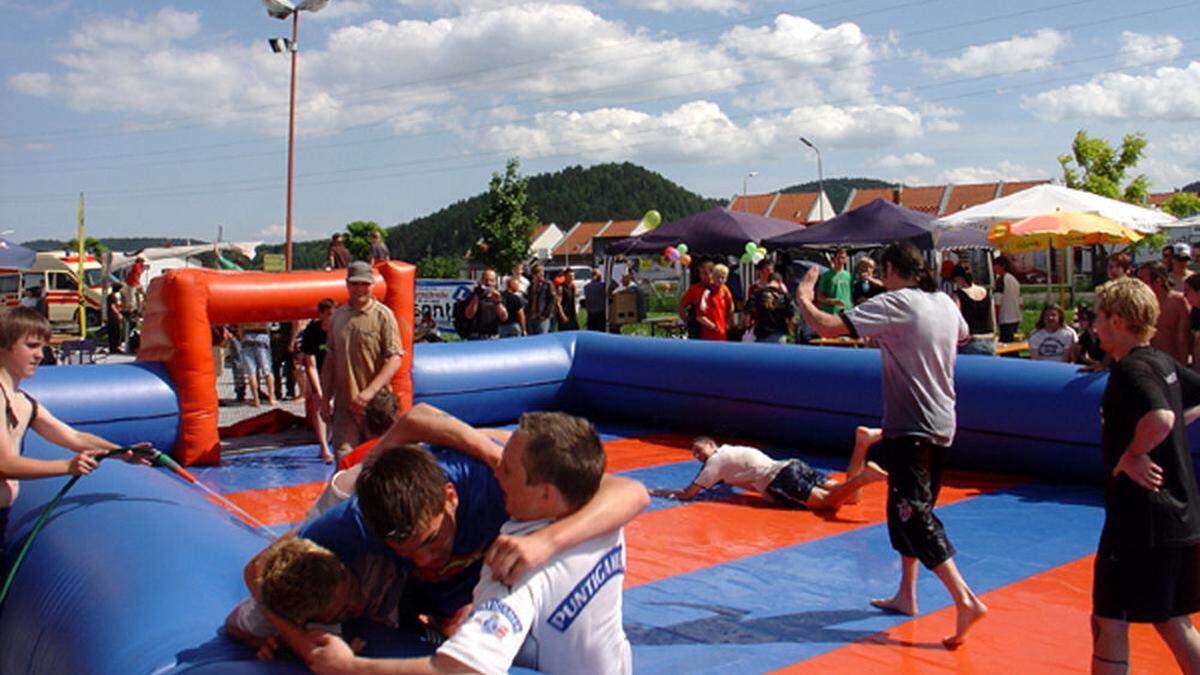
(1094, 166)
(504, 226)
(96, 246)
(439, 267)
(1182, 204)
(357, 238)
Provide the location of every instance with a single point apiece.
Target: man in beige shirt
(363, 355)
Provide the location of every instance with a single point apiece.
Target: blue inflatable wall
(135, 572)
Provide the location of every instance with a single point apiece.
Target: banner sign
(438, 296)
(272, 262)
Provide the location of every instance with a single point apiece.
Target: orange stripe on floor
(1036, 625)
(279, 505)
(669, 542)
(628, 454)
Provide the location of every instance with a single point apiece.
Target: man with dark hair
(1007, 294)
(338, 256)
(771, 311)
(313, 345)
(833, 287)
(564, 608)
(1173, 334)
(541, 302)
(594, 299)
(918, 330)
(1119, 266)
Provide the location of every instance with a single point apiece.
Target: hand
(1093, 367)
(665, 494)
(324, 653)
(269, 648)
(358, 407)
(131, 457)
(806, 291)
(510, 557)
(1141, 470)
(82, 464)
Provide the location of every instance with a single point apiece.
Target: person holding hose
(23, 333)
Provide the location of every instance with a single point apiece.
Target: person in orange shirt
(716, 306)
(690, 302)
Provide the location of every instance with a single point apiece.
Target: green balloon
(682, 248)
(751, 247)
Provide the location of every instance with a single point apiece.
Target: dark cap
(360, 271)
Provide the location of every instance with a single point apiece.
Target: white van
(56, 271)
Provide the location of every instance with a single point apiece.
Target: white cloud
(1034, 52)
(165, 26)
(721, 6)
(342, 9)
(940, 119)
(1005, 170)
(1168, 93)
(1138, 49)
(33, 84)
(699, 131)
(1171, 163)
(278, 232)
(912, 159)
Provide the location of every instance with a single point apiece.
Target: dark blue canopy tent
(715, 231)
(14, 256)
(875, 224)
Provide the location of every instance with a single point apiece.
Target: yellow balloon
(652, 219)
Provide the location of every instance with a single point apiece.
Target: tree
(357, 238)
(89, 244)
(439, 267)
(504, 226)
(1182, 204)
(1101, 170)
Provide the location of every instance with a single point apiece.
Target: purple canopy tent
(874, 224)
(716, 231)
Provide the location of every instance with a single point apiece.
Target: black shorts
(794, 483)
(1146, 585)
(914, 466)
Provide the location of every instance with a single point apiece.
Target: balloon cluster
(678, 254)
(754, 253)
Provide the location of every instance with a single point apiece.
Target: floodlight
(280, 45)
(311, 5)
(279, 9)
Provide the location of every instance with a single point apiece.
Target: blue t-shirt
(478, 519)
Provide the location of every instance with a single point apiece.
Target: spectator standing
(594, 299)
(379, 250)
(283, 337)
(567, 305)
(1119, 266)
(1088, 351)
(1147, 565)
(514, 306)
(975, 303)
(762, 275)
(690, 301)
(833, 289)
(1007, 293)
(716, 307)
(541, 302)
(314, 340)
(771, 311)
(234, 345)
(364, 354)
(1052, 339)
(427, 328)
(485, 309)
(917, 329)
(133, 285)
(1191, 293)
(1173, 334)
(115, 320)
(256, 361)
(517, 272)
(338, 256)
(867, 285)
(1181, 257)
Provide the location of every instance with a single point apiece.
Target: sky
(171, 117)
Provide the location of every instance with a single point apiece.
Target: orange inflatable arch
(183, 305)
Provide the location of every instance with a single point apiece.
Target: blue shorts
(256, 353)
(794, 483)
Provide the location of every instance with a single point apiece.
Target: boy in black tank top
(1147, 567)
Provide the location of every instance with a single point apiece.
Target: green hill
(838, 189)
(115, 243)
(605, 191)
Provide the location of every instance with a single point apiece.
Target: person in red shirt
(716, 306)
(690, 302)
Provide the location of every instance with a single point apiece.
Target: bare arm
(424, 423)
(382, 378)
(50, 428)
(328, 654)
(472, 306)
(313, 375)
(521, 320)
(682, 495)
(826, 325)
(501, 310)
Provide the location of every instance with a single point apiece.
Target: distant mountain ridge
(116, 243)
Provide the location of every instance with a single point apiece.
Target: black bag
(462, 325)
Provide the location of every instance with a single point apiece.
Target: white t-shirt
(918, 335)
(740, 466)
(564, 617)
(1047, 346)
(1009, 300)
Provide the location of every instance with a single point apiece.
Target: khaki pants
(347, 432)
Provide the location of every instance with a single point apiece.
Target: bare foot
(874, 473)
(895, 605)
(866, 435)
(968, 615)
(255, 403)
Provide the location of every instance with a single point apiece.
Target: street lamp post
(282, 9)
(820, 177)
(746, 187)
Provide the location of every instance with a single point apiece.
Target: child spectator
(427, 328)
(833, 287)
(867, 285)
(1147, 565)
(1052, 340)
(771, 311)
(689, 303)
(23, 333)
(1087, 350)
(313, 343)
(716, 306)
(788, 482)
(514, 306)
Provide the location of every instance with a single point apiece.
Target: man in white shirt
(788, 482)
(564, 615)
(1007, 293)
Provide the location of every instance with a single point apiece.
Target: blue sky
(172, 117)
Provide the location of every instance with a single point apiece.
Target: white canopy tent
(122, 260)
(1043, 199)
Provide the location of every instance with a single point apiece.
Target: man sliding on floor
(788, 482)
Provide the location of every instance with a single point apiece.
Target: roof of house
(620, 228)
(795, 206)
(579, 239)
(970, 194)
(1016, 186)
(1160, 198)
(757, 204)
(925, 198)
(864, 196)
